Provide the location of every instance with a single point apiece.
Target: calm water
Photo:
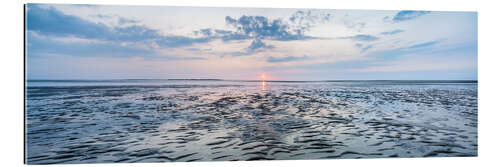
(105, 121)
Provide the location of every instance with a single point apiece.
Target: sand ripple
(241, 122)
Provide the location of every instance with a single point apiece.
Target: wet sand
(234, 121)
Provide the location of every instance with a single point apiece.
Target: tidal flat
(216, 120)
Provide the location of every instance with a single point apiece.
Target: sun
(264, 76)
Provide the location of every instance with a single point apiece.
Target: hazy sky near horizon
(125, 42)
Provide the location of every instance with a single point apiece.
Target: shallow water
(164, 121)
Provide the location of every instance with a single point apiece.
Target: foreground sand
(245, 121)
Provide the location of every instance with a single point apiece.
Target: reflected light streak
(263, 85)
(263, 78)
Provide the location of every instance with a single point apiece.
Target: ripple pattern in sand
(231, 123)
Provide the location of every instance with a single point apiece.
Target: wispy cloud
(392, 32)
(422, 45)
(278, 29)
(355, 25)
(53, 22)
(122, 20)
(43, 45)
(255, 47)
(261, 27)
(285, 59)
(225, 35)
(40, 45)
(50, 21)
(258, 44)
(361, 37)
(302, 21)
(408, 15)
(366, 48)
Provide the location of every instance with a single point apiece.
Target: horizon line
(259, 80)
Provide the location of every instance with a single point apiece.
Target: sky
(162, 42)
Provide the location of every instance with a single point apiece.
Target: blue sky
(120, 42)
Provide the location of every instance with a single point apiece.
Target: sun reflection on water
(263, 78)
(263, 85)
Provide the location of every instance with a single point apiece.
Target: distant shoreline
(138, 80)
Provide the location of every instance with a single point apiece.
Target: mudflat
(86, 122)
